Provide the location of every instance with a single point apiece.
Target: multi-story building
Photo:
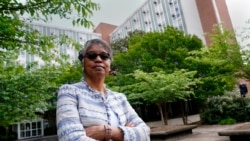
(35, 127)
(105, 29)
(191, 16)
(79, 36)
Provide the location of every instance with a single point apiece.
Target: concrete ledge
(241, 133)
(234, 133)
(168, 131)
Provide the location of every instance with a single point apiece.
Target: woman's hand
(130, 124)
(96, 132)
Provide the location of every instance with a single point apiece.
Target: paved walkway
(176, 121)
(201, 133)
(204, 133)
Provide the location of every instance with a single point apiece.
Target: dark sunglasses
(93, 55)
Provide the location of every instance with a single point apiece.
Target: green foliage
(156, 51)
(227, 121)
(71, 73)
(158, 58)
(218, 65)
(45, 9)
(16, 34)
(230, 105)
(158, 87)
(26, 91)
(246, 70)
(122, 45)
(225, 47)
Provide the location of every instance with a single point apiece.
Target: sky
(112, 11)
(117, 11)
(239, 11)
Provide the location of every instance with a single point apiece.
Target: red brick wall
(224, 15)
(207, 13)
(105, 29)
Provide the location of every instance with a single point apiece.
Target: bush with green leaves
(228, 106)
(227, 121)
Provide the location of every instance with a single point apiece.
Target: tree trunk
(165, 112)
(162, 114)
(163, 108)
(184, 112)
(7, 131)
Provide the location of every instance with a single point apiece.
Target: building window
(30, 129)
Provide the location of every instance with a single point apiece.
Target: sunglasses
(92, 55)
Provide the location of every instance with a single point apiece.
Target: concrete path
(205, 133)
(201, 133)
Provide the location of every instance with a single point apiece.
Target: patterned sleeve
(141, 132)
(69, 127)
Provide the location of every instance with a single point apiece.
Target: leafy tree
(218, 65)
(162, 89)
(153, 51)
(165, 50)
(26, 91)
(159, 53)
(15, 16)
(27, 94)
(122, 45)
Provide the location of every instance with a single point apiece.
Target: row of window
(147, 22)
(30, 129)
(80, 37)
(49, 31)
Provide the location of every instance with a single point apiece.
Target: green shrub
(220, 108)
(227, 121)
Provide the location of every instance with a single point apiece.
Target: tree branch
(18, 41)
(20, 7)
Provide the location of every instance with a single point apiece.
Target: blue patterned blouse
(79, 106)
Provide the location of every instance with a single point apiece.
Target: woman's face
(96, 61)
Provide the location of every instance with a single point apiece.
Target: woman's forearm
(116, 134)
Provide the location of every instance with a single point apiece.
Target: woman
(88, 111)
